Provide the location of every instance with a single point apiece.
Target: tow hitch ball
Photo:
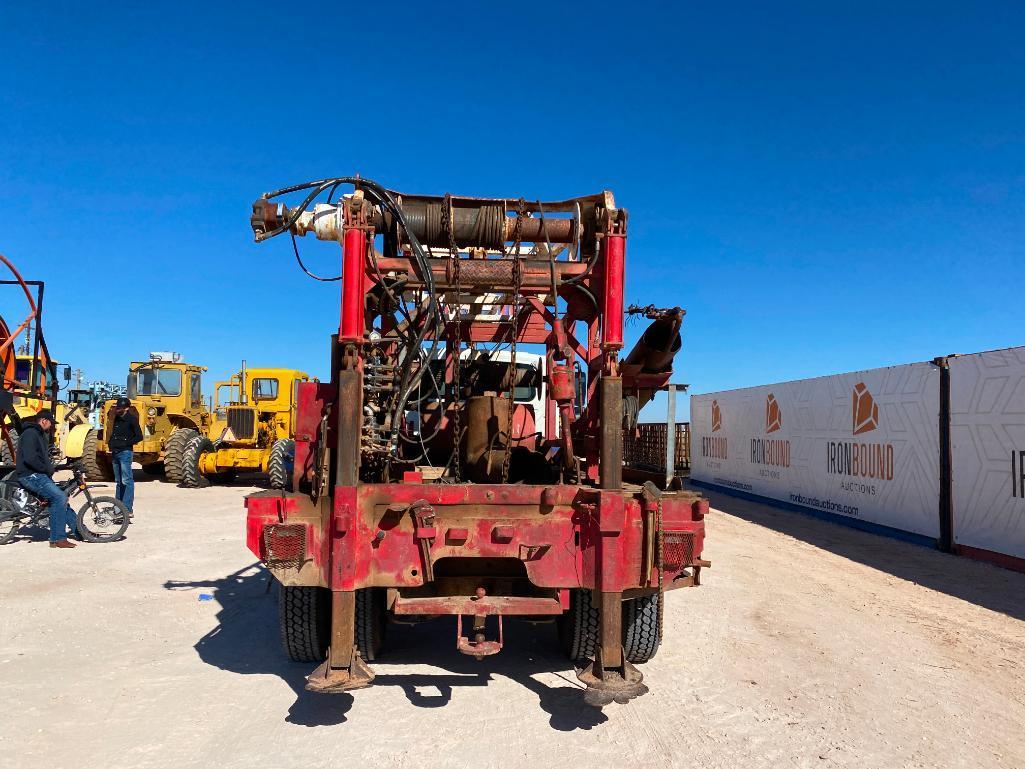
(478, 647)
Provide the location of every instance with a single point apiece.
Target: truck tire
(97, 466)
(578, 627)
(192, 478)
(370, 609)
(305, 616)
(174, 447)
(641, 638)
(280, 464)
(6, 457)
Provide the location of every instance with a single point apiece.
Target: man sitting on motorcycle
(35, 473)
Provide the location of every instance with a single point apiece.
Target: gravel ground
(808, 645)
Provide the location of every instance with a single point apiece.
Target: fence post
(670, 436)
(946, 510)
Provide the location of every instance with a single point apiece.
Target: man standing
(125, 434)
(35, 471)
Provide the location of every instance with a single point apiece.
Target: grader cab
(167, 397)
(252, 429)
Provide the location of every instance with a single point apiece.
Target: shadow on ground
(983, 584)
(246, 641)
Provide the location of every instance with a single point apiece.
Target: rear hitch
(478, 647)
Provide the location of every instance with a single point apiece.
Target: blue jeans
(62, 517)
(122, 461)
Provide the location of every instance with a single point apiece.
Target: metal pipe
(670, 435)
(610, 459)
(659, 344)
(492, 274)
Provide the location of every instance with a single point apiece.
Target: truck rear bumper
(413, 536)
(478, 606)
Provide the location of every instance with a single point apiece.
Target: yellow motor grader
(253, 429)
(166, 395)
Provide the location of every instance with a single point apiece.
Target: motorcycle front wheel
(103, 519)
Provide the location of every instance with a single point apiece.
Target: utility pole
(78, 378)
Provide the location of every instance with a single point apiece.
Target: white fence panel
(987, 429)
(862, 445)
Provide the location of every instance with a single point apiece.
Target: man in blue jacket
(35, 473)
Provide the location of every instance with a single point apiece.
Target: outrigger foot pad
(608, 685)
(328, 680)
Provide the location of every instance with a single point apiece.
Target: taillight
(284, 544)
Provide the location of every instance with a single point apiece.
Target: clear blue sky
(824, 186)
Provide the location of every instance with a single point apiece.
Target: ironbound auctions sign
(987, 430)
(862, 445)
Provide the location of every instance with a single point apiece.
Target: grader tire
(305, 617)
(578, 627)
(279, 466)
(97, 467)
(173, 450)
(192, 478)
(641, 638)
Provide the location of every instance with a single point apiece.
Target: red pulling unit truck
(466, 457)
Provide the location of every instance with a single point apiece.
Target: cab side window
(265, 389)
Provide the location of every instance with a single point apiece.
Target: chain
(660, 551)
(514, 311)
(457, 431)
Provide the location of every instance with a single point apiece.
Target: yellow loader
(252, 430)
(166, 395)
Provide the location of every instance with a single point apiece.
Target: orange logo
(716, 417)
(773, 416)
(865, 410)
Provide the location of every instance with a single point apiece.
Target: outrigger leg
(611, 677)
(344, 668)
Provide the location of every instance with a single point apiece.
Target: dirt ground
(808, 645)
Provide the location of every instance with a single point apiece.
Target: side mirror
(66, 372)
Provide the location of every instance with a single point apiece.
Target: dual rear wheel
(578, 627)
(305, 617)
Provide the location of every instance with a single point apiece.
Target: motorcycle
(100, 519)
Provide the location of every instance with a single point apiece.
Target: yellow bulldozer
(167, 396)
(252, 430)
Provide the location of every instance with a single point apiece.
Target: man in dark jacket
(123, 436)
(35, 471)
